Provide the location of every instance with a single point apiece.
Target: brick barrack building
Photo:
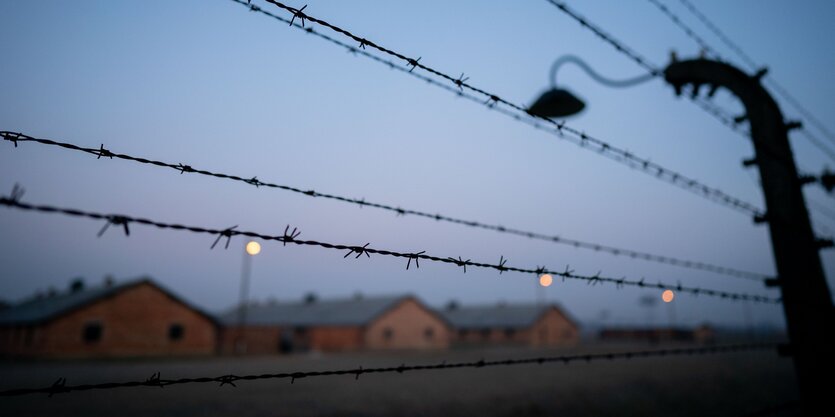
(354, 323)
(141, 318)
(511, 324)
(132, 318)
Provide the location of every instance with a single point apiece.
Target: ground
(727, 384)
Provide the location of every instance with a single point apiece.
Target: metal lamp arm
(594, 75)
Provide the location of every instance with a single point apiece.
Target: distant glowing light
(253, 248)
(546, 280)
(668, 296)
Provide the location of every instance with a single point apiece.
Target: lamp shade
(556, 102)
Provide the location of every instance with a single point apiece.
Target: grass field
(727, 384)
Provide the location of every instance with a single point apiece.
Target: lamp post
(560, 102)
(806, 299)
(251, 249)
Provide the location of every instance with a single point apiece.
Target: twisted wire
(751, 64)
(710, 108)
(782, 91)
(608, 38)
(13, 201)
(254, 181)
(519, 113)
(156, 380)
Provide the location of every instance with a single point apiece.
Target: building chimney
(76, 285)
(452, 305)
(109, 281)
(310, 298)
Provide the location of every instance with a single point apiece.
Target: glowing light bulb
(668, 296)
(546, 280)
(253, 248)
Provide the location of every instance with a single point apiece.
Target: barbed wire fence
(60, 386)
(254, 181)
(357, 251)
(461, 87)
(516, 111)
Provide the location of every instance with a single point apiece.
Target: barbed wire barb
(416, 257)
(289, 237)
(228, 233)
(17, 192)
(116, 221)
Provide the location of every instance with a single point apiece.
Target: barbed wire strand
(606, 37)
(13, 201)
(519, 113)
(703, 44)
(254, 181)
(754, 66)
(717, 112)
(156, 380)
(709, 50)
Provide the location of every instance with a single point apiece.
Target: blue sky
(210, 84)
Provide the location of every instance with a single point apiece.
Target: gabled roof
(515, 316)
(355, 311)
(43, 309)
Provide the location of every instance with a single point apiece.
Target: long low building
(142, 318)
(703, 334)
(132, 318)
(512, 324)
(398, 322)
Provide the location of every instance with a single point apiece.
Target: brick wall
(133, 322)
(553, 329)
(250, 340)
(265, 340)
(336, 338)
(408, 325)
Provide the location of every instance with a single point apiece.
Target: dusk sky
(210, 84)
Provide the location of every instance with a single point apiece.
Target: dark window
(388, 333)
(509, 332)
(485, 333)
(176, 331)
(300, 331)
(429, 333)
(92, 332)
